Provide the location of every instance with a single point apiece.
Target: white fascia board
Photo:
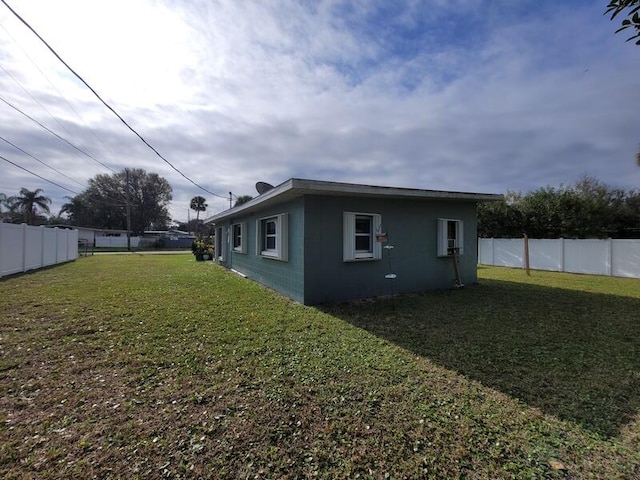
(295, 187)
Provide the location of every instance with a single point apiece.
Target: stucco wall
(412, 229)
(315, 271)
(285, 277)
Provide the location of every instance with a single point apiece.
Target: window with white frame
(359, 241)
(450, 237)
(238, 237)
(272, 237)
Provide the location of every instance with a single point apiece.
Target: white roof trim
(296, 187)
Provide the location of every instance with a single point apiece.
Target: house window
(239, 237)
(450, 237)
(364, 236)
(359, 236)
(272, 237)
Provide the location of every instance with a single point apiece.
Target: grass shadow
(572, 354)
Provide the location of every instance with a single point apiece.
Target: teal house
(325, 242)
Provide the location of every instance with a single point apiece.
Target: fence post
(1, 234)
(55, 245)
(24, 246)
(526, 254)
(41, 246)
(610, 255)
(561, 254)
(66, 244)
(493, 251)
(64, 240)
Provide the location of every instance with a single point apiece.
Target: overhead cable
(99, 200)
(39, 176)
(56, 135)
(60, 94)
(106, 104)
(38, 160)
(35, 99)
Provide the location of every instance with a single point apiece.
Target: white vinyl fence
(120, 242)
(618, 258)
(23, 247)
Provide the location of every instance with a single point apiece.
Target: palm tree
(10, 215)
(28, 202)
(199, 204)
(76, 211)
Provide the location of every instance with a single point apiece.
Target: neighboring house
(102, 237)
(171, 238)
(318, 242)
(89, 235)
(172, 232)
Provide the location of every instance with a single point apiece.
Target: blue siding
(315, 271)
(412, 229)
(285, 277)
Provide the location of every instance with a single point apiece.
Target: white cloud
(236, 92)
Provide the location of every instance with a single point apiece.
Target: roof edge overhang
(297, 187)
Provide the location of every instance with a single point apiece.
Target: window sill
(272, 256)
(362, 259)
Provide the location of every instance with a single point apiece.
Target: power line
(60, 94)
(113, 202)
(38, 160)
(117, 203)
(105, 103)
(56, 135)
(39, 176)
(35, 99)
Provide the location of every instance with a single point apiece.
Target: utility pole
(230, 200)
(126, 170)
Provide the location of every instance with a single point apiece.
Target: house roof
(86, 229)
(297, 187)
(172, 232)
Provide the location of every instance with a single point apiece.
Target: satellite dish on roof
(263, 187)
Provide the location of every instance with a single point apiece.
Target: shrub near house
(203, 249)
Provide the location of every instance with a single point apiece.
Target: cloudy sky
(465, 95)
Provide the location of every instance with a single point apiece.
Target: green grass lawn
(150, 366)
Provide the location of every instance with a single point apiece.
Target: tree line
(588, 209)
(131, 197)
